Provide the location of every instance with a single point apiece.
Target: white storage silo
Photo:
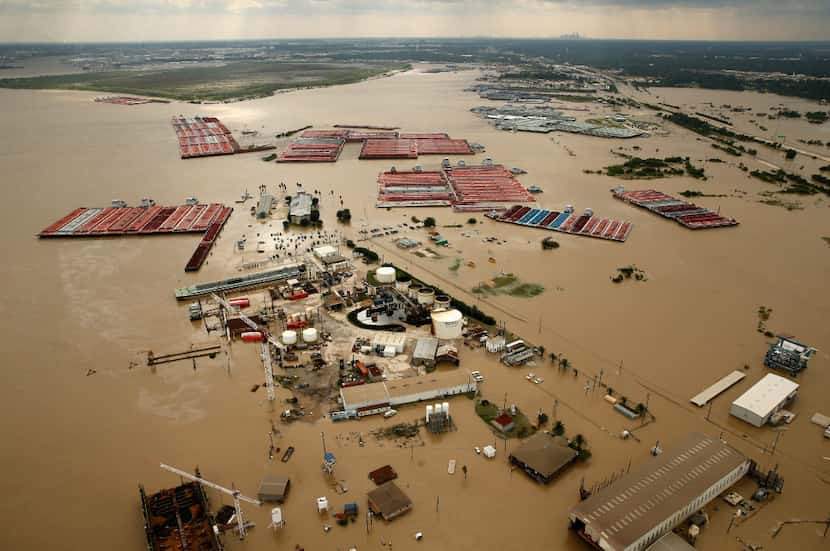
(413, 290)
(426, 296)
(310, 335)
(442, 302)
(289, 337)
(403, 285)
(385, 274)
(429, 412)
(446, 407)
(437, 409)
(447, 324)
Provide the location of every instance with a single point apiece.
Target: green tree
(472, 221)
(429, 222)
(564, 363)
(558, 428)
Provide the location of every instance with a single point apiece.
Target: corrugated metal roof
(630, 507)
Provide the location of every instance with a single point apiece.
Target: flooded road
(77, 446)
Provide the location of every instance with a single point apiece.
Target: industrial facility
(760, 404)
(788, 355)
(650, 501)
(374, 398)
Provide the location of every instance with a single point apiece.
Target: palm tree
(564, 363)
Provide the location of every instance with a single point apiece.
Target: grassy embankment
(246, 79)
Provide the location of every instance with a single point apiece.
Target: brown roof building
(639, 508)
(543, 457)
(388, 501)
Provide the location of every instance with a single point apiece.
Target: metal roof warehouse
(639, 508)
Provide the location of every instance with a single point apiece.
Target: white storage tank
(309, 313)
(437, 409)
(402, 285)
(442, 302)
(426, 296)
(446, 407)
(413, 291)
(385, 274)
(429, 412)
(310, 335)
(289, 337)
(447, 324)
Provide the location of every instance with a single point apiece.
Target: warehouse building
(761, 402)
(372, 398)
(642, 506)
(543, 457)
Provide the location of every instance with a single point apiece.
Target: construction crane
(270, 391)
(236, 494)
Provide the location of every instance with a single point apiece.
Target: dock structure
(413, 189)
(716, 389)
(639, 508)
(292, 271)
(567, 221)
(150, 219)
(203, 137)
(178, 518)
(686, 214)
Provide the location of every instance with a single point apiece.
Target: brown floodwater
(76, 446)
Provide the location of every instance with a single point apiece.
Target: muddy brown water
(76, 446)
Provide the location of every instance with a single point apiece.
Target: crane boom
(270, 391)
(210, 484)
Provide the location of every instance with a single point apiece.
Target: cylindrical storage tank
(309, 313)
(300, 316)
(442, 301)
(310, 335)
(447, 324)
(437, 409)
(426, 296)
(413, 290)
(446, 407)
(429, 412)
(402, 285)
(252, 336)
(385, 274)
(241, 302)
(289, 337)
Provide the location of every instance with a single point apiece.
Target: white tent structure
(489, 452)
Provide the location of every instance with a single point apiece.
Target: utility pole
(709, 411)
(555, 403)
(775, 443)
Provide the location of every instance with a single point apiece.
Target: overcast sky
(135, 20)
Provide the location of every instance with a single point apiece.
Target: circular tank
(385, 274)
(447, 324)
(429, 412)
(402, 285)
(442, 301)
(426, 296)
(413, 290)
(310, 334)
(289, 337)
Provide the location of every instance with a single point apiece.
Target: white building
(639, 508)
(374, 398)
(759, 403)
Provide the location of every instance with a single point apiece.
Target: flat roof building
(273, 488)
(388, 501)
(425, 350)
(762, 401)
(543, 456)
(378, 397)
(299, 208)
(642, 506)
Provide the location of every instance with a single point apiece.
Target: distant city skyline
(156, 20)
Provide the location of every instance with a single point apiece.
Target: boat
(287, 455)
(534, 189)
(390, 413)
(451, 467)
